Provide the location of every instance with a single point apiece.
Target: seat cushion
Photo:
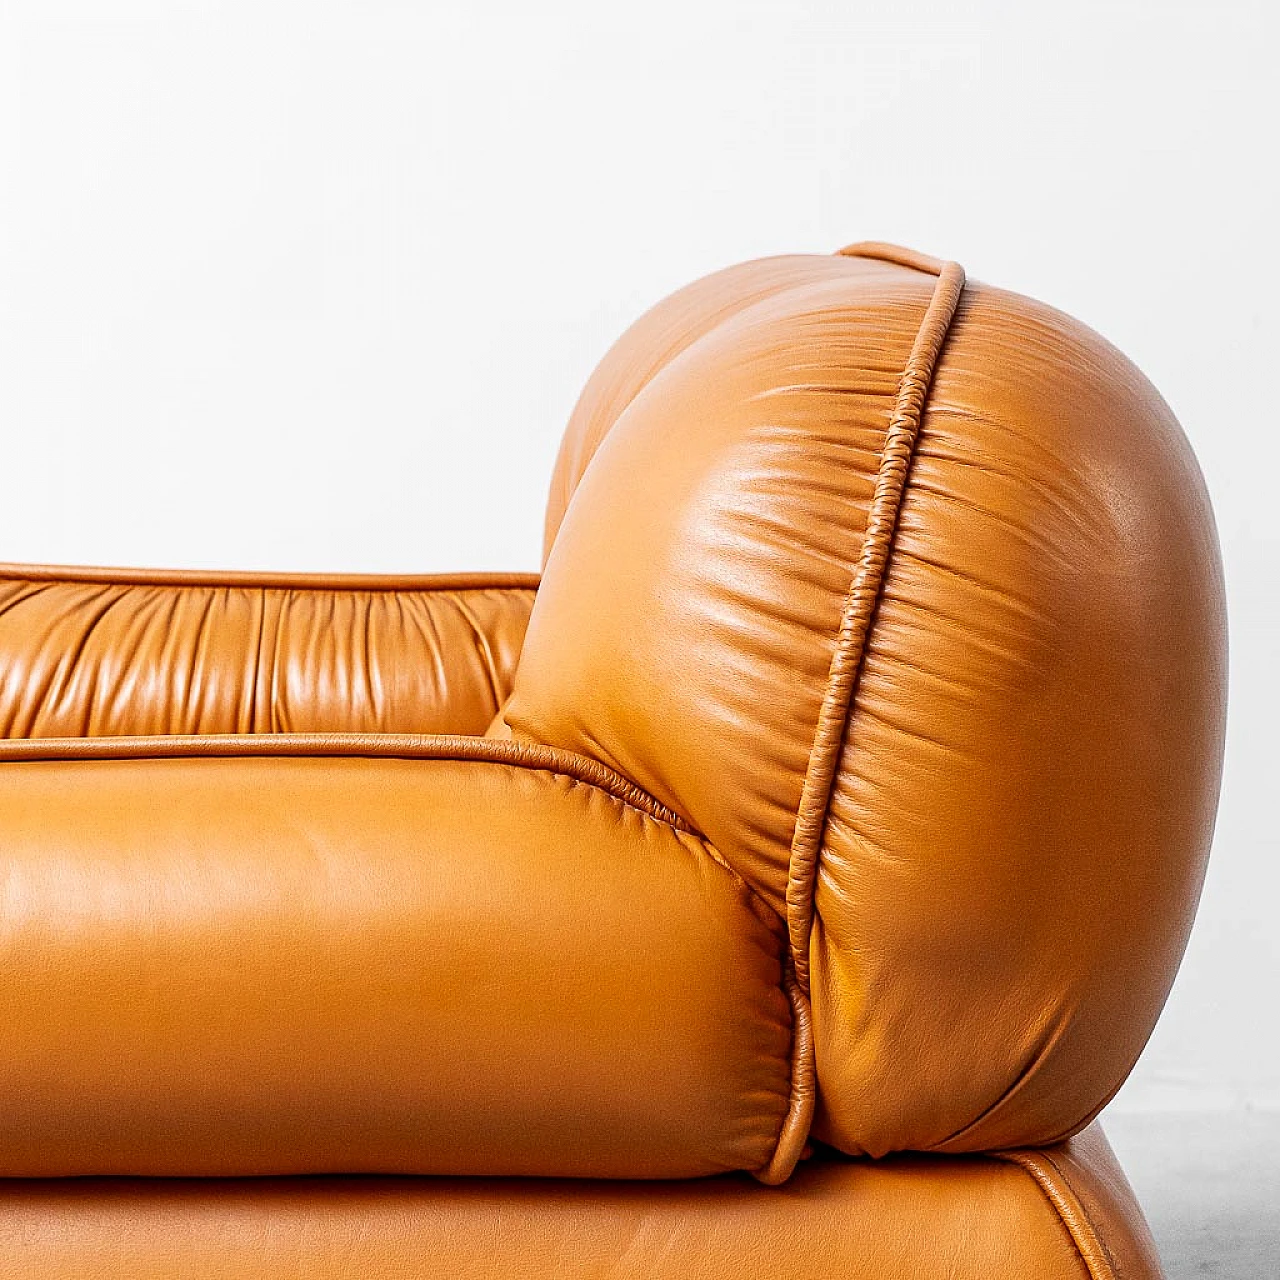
(908, 1218)
(372, 963)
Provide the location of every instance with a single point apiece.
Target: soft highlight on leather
(703, 561)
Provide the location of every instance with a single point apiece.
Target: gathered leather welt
(864, 592)
(793, 1136)
(1052, 1180)
(270, 581)
(387, 745)
(858, 610)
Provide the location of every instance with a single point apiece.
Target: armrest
(432, 955)
(107, 652)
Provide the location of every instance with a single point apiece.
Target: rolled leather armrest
(277, 955)
(107, 652)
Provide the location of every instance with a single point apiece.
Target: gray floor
(1210, 1186)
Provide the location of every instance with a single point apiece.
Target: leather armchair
(779, 885)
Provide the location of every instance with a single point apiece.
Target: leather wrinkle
(260, 629)
(1046, 1043)
(71, 659)
(482, 644)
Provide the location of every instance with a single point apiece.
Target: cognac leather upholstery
(842, 788)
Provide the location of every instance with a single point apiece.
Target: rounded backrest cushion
(905, 593)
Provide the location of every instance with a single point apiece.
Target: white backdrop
(316, 287)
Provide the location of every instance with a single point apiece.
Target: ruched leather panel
(109, 653)
(243, 965)
(909, 1218)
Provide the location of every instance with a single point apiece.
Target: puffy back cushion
(121, 653)
(695, 585)
(906, 594)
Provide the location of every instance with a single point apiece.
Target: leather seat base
(1064, 1211)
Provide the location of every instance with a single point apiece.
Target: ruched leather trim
(860, 603)
(896, 254)
(526, 755)
(793, 1137)
(856, 616)
(284, 581)
(1095, 1257)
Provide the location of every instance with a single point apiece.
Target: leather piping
(404, 746)
(1049, 1177)
(894, 253)
(859, 607)
(864, 592)
(283, 581)
(793, 1136)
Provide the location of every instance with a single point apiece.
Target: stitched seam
(1070, 1131)
(1070, 1211)
(858, 612)
(856, 615)
(356, 746)
(522, 755)
(765, 912)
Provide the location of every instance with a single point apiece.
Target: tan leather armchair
(778, 887)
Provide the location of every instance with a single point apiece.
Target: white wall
(316, 287)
